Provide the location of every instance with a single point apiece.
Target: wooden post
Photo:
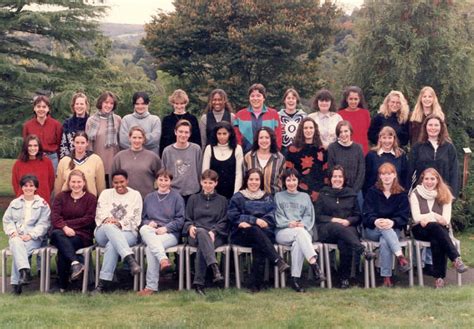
(465, 172)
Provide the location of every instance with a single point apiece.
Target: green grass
(6, 177)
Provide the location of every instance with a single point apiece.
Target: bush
(10, 147)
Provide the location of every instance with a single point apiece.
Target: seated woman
(385, 214)
(206, 227)
(252, 216)
(337, 217)
(73, 223)
(118, 216)
(294, 218)
(162, 220)
(26, 222)
(430, 203)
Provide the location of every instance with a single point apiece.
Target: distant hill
(129, 33)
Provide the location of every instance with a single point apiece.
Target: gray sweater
(351, 158)
(152, 126)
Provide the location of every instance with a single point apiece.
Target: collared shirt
(327, 123)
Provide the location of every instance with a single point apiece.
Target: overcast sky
(140, 11)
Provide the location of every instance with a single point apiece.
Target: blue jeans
(155, 252)
(54, 159)
(389, 245)
(301, 247)
(21, 250)
(117, 243)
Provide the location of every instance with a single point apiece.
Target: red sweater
(360, 121)
(49, 133)
(42, 169)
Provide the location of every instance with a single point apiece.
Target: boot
(199, 289)
(16, 289)
(76, 271)
(459, 265)
(102, 287)
(25, 277)
(404, 264)
(282, 265)
(318, 276)
(216, 273)
(132, 263)
(295, 284)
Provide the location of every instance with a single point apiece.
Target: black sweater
(380, 121)
(168, 136)
(208, 212)
(376, 205)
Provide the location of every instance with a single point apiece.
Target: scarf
(141, 116)
(426, 194)
(253, 195)
(111, 132)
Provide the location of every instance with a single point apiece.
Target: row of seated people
(252, 218)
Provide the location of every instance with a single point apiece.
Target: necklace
(77, 198)
(162, 197)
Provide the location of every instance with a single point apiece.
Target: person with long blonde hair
(426, 104)
(394, 113)
(431, 202)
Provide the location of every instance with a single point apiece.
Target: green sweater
(294, 207)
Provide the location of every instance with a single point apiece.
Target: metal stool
(7, 252)
(225, 250)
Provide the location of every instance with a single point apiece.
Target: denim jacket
(14, 218)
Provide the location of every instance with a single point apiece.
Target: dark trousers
(348, 243)
(206, 254)
(67, 247)
(441, 245)
(262, 248)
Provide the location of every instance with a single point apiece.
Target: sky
(140, 11)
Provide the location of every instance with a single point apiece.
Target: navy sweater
(380, 121)
(373, 161)
(376, 205)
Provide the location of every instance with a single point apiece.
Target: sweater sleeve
(403, 134)
(16, 178)
(281, 218)
(99, 176)
(369, 213)
(203, 128)
(87, 217)
(57, 220)
(221, 224)
(196, 133)
(59, 182)
(453, 170)
(132, 221)
(176, 225)
(103, 206)
(374, 129)
(354, 217)
(189, 219)
(360, 177)
(153, 137)
(239, 159)
(123, 134)
(308, 215)
(402, 212)
(269, 216)
(236, 214)
(206, 158)
(320, 215)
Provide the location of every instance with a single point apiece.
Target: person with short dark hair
(25, 222)
(290, 118)
(325, 116)
(218, 110)
(77, 122)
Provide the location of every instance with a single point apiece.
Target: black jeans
(441, 245)
(67, 247)
(262, 248)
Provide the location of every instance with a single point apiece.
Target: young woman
(354, 109)
(294, 217)
(224, 156)
(387, 150)
(325, 116)
(140, 163)
(426, 104)
(48, 130)
(251, 215)
(435, 150)
(385, 214)
(86, 161)
(308, 156)
(73, 223)
(206, 228)
(103, 128)
(290, 118)
(430, 203)
(265, 157)
(162, 222)
(26, 223)
(179, 100)
(32, 161)
(257, 115)
(77, 122)
(394, 113)
(337, 218)
(218, 109)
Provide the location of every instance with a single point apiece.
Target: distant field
(5, 177)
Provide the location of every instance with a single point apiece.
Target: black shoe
(369, 255)
(318, 275)
(199, 289)
(345, 284)
(102, 287)
(216, 273)
(76, 271)
(16, 289)
(295, 284)
(254, 289)
(133, 264)
(25, 277)
(282, 265)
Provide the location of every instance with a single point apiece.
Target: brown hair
(387, 130)
(299, 140)
(137, 128)
(291, 91)
(77, 172)
(388, 167)
(185, 123)
(210, 174)
(24, 155)
(443, 136)
(178, 95)
(42, 99)
(164, 173)
(103, 97)
(79, 133)
(341, 124)
(258, 87)
(225, 100)
(324, 95)
(444, 195)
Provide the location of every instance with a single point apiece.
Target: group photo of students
(259, 178)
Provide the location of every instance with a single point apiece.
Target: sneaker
(282, 265)
(387, 282)
(145, 292)
(439, 283)
(165, 264)
(403, 263)
(76, 271)
(459, 265)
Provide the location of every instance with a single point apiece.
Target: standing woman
(426, 104)
(224, 156)
(337, 218)
(218, 109)
(308, 156)
(141, 164)
(48, 130)
(385, 215)
(435, 150)
(103, 128)
(431, 202)
(251, 215)
(86, 161)
(294, 218)
(73, 223)
(354, 109)
(325, 116)
(290, 118)
(387, 150)
(77, 122)
(394, 113)
(32, 161)
(26, 223)
(265, 157)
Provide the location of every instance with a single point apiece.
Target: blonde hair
(137, 128)
(404, 111)
(444, 195)
(388, 167)
(179, 95)
(418, 114)
(387, 130)
(75, 97)
(77, 172)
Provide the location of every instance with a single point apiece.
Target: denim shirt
(37, 227)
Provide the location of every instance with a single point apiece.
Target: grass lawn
(6, 177)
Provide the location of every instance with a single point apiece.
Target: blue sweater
(376, 205)
(294, 207)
